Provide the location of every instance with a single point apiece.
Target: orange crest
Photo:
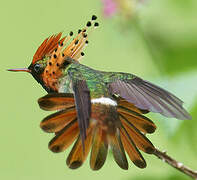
(57, 49)
(48, 46)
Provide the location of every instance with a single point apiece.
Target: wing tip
(145, 95)
(187, 116)
(184, 115)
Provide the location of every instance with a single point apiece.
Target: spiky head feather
(47, 47)
(52, 56)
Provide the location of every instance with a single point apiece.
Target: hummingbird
(96, 110)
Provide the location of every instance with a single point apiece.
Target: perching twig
(172, 162)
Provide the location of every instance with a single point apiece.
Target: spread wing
(82, 102)
(148, 96)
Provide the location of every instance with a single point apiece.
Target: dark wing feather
(148, 96)
(83, 106)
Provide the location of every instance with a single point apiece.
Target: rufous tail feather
(122, 127)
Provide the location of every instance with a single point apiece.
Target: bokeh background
(156, 40)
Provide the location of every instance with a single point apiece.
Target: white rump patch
(104, 100)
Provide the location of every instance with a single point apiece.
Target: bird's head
(55, 54)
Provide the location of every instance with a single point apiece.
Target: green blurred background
(161, 48)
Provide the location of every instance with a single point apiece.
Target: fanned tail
(56, 101)
(131, 149)
(141, 122)
(99, 149)
(78, 155)
(63, 123)
(115, 123)
(108, 122)
(65, 137)
(118, 150)
(57, 121)
(139, 139)
(134, 126)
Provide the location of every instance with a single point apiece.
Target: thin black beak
(20, 69)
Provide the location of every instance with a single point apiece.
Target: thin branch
(178, 165)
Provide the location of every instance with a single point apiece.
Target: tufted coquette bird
(96, 109)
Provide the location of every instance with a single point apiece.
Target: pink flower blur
(109, 8)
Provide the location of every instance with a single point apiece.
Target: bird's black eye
(37, 68)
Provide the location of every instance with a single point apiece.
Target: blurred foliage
(187, 130)
(173, 56)
(174, 39)
(158, 44)
(170, 177)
